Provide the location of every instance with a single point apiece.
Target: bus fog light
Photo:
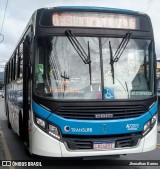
(53, 131)
(41, 122)
(154, 119)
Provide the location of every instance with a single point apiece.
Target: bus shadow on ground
(86, 161)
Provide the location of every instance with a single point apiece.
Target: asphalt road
(16, 151)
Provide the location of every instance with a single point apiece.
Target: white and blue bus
(82, 82)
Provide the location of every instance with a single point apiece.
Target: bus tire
(8, 122)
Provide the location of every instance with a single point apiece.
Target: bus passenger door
(26, 88)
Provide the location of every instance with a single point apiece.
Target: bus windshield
(60, 72)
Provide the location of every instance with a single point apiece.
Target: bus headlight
(53, 131)
(41, 123)
(146, 127)
(50, 129)
(154, 118)
(149, 125)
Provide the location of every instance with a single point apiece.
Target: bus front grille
(83, 143)
(96, 113)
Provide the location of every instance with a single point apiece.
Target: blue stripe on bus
(96, 127)
(154, 109)
(41, 112)
(96, 8)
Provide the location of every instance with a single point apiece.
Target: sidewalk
(2, 154)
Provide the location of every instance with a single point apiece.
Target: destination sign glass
(96, 20)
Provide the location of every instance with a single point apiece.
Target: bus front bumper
(44, 145)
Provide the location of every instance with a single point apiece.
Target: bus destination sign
(95, 20)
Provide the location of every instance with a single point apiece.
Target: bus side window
(20, 61)
(7, 73)
(21, 66)
(10, 71)
(14, 66)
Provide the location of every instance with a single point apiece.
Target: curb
(4, 150)
(2, 153)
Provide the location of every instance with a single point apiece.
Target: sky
(19, 12)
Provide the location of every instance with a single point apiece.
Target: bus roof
(96, 8)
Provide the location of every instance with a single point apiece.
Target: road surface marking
(6, 149)
(158, 145)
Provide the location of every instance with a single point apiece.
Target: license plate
(103, 145)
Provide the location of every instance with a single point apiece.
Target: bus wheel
(8, 122)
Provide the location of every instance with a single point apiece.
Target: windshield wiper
(77, 46)
(111, 60)
(81, 52)
(118, 52)
(90, 70)
(121, 47)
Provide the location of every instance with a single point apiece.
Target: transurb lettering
(82, 130)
